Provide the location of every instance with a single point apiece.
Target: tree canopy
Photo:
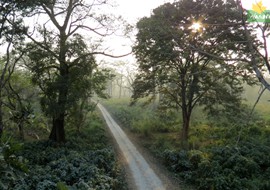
(62, 61)
(61, 55)
(176, 58)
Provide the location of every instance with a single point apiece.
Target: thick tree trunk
(58, 130)
(185, 130)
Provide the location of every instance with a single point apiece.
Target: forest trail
(142, 174)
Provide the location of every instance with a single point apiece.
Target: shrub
(245, 166)
(12, 167)
(85, 162)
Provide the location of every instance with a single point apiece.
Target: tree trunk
(20, 125)
(1, 114)
(58, 130)
(185, 129)
(1, 120)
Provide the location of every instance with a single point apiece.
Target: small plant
(12, 167)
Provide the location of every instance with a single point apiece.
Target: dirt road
(143, 175)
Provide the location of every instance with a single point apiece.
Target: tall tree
(11, 34)
(171, 50)
(62, 49)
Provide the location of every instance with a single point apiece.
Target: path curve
(143, 175)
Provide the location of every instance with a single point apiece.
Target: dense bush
(245, 166)
(85, 162)
(48, 166)
(12, 167)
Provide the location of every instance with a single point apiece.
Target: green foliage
(55, 165)
(21, 109)
(61, 186)
(229, 152)
(244, 166)
(141, 118)
(85, 162)
(12, 167)
(239, 114)
(179, 67)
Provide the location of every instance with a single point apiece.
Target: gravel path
(143, 175)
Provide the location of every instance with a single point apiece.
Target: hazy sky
(132, 11)
(247, 4)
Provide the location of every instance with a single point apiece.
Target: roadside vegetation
(222, 153)
(51, 137)
(194, 59)
(86, 161)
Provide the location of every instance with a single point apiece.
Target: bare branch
(50, 13)
(91, 29)
(258, 99)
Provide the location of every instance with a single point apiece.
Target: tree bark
(185, 128)
(58, 130)
(1, 118)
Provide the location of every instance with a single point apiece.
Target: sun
(196, 26)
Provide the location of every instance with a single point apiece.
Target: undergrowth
(85, 162)
(234, 156)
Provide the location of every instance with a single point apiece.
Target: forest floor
(143, 171)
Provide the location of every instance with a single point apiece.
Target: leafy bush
(12, 167)
(245, 166)
(69, 167)
(84, 162)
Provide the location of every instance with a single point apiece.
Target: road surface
(144, 177)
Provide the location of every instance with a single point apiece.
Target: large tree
(175, 48)
(60, 55)
(11, 35)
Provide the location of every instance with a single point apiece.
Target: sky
(131, 11)
(247, 4)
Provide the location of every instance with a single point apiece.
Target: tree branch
(258, 99)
